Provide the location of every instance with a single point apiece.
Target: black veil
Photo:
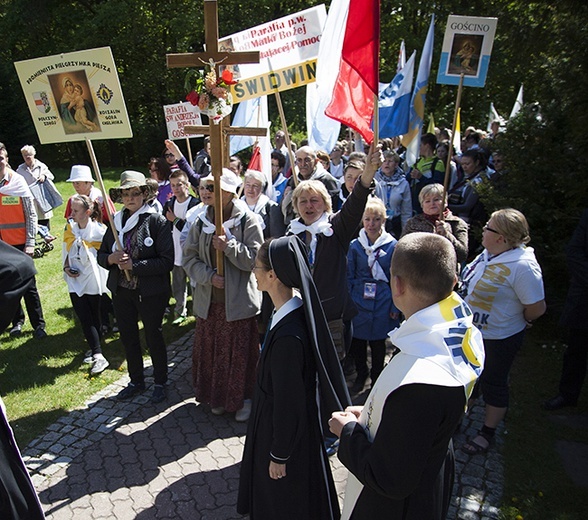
(289, 260)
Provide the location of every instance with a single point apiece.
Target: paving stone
(464, 514)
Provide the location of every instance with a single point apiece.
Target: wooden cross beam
(217, 132)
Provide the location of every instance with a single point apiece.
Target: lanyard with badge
(369, 288)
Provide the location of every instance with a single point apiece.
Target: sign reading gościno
(466, 50)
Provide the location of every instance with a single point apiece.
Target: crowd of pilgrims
(305, 293)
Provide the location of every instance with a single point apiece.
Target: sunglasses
(169, 155)
(488, 228)
(208, 187)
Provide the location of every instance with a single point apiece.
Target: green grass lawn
(536, 484)
(41, 380)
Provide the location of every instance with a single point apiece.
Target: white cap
(80, 173)
(228, 180)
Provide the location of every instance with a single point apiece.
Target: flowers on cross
(209, 93)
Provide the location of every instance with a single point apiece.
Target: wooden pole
(285, 130)
(450, 151)
(376, 119)
(107, 200)
(189, 151)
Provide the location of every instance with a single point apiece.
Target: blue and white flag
(249, 113)
(253, 113)
(394, 102)
(412, 140)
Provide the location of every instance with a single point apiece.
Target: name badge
(369, 291)
(8, 200)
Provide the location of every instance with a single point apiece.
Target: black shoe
(130, 390)
(40, 333)
(158, 394)
(16, 330)
(557, 402)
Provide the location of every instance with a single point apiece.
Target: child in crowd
(86, 280)
(175, 211)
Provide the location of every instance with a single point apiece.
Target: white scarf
(259, 205)
(439, 345)
(209, 228)
(473, 272)
(373, 252)
(92, 277)
(15, 185)
(322, 225)
(131, 222)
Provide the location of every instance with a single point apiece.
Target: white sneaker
(88, 358)
(99, 365)
(243, 414)
(219, 410)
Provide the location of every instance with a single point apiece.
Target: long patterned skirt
(224, 359)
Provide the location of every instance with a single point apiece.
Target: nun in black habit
(285, 471)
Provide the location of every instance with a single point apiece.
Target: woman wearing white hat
(226, 344)
(148, 257)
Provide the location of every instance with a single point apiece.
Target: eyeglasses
(306, 160)
(208, 187)
(488, 228)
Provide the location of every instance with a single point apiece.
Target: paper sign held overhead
(179, 116)
(75, 96)
(467, 47)
(291, 43)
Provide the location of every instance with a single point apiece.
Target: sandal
(473, 448)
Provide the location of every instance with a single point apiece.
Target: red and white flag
(352, 102)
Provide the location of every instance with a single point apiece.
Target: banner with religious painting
(74, 96)
(467, 47)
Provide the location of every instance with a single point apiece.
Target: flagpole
(376, 119)
(377, 93)
(106, 199)
(285, 129)
(450, 151)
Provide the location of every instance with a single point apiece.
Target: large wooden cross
(218, 132)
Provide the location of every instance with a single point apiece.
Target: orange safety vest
(12, 220)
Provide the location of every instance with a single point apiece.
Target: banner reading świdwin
(75, 96)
